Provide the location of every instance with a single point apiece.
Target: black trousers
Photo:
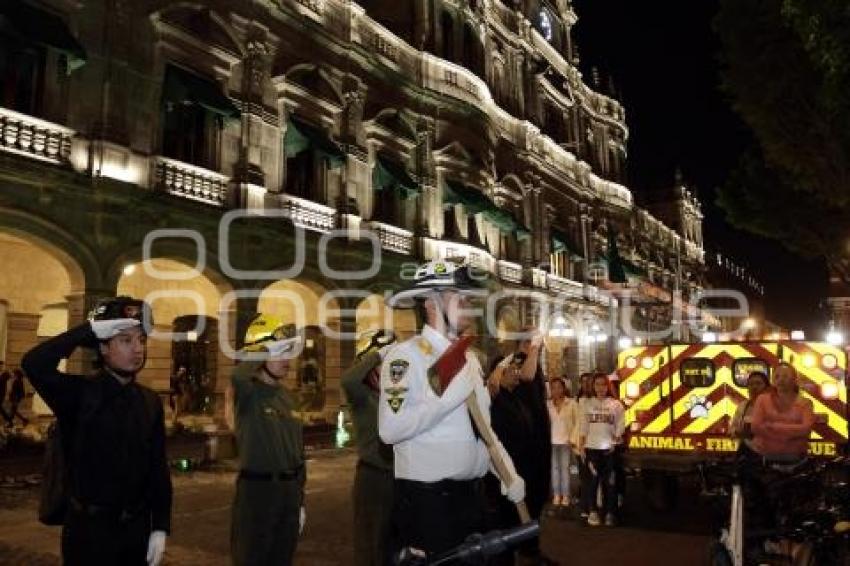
(437, 517)
(603, 464)
(105, 541)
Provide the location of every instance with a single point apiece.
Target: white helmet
(437, 275)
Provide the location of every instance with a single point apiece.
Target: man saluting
(113, 432)
(439, 460)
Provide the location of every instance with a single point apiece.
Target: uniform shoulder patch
(395, 397)
(398, 369)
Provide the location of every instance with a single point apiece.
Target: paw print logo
(698, 407)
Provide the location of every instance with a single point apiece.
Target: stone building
(442, 128)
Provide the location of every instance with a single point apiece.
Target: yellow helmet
(266, 328)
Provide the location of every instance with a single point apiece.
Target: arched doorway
(314, 374)
(186, 307)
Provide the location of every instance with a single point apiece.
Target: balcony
(510, 272)
(392, 238)
(564, 287)
(308, 214)
(189, 181)
(34, 138)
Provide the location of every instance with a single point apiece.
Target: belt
(442, 486)
(286, 475)
(371, 466)
(122, 515)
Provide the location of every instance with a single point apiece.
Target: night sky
(663, 58)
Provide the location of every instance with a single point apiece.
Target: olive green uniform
(270, 488)
(373, 479)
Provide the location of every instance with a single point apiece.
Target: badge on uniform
(395, 397)
(398, 368)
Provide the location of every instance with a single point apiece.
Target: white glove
(106, 329)
(516, 491)
(383, 351)
(156, 548)
(282, 349)
(302, 520)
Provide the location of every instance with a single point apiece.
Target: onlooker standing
(5, 376)
(601, 427)
(563, 415)
(585, 394)
(741, 426)
(176, 391)
(16, 395)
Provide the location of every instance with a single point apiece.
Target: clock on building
(545, 23)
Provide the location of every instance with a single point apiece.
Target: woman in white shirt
(600, 429)
(562, 416)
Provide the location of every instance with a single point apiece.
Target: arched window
(447, 30)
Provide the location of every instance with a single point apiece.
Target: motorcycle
(809, 517)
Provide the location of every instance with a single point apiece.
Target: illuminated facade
(446, 128)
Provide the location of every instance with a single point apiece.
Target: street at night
(202, 525)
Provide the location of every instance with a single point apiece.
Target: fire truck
(680, 399)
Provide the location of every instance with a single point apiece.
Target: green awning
(301, 136)
(389, 174)
(506, 222)
(183, 87)
(35, 25)
(473, 201)
(562, 243)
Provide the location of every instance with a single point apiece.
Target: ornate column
(353, 138)
(585, 219)
(430, 210)
(249, 178)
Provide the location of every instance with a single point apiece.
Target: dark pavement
(202, 523)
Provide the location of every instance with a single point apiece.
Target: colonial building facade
(443, 128)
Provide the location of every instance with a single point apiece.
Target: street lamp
(834, 337)
(798, 335)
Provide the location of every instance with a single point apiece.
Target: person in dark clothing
(531, 389)
(513, 423)
(177, 384)
(519, 408)
(17, 393)
(5, 377)
(113, 431)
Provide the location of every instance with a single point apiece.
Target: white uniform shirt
(601, 423)
(432, 435)
(563, 420)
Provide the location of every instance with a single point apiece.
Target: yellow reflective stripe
(835, 421)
